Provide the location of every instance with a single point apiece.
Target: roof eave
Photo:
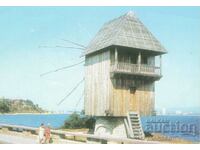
(149, 50)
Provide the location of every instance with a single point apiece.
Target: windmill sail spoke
(79, 100)
(60, 46)
(77, 85)
(62, 68)
(77, 44)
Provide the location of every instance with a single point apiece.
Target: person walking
(41, 134)
(47, 134)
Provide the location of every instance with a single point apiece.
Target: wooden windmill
(120, 71)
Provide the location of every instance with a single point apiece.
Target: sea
(185, 127)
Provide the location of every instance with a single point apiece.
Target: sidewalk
(11, 139)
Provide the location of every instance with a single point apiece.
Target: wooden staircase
(134, 126)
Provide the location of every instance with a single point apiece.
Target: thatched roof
(127, 31)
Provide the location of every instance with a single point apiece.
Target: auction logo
(166, 126)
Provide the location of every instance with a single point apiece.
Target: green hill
(19, 106)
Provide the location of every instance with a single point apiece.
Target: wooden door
(132, 95)
(133, 101)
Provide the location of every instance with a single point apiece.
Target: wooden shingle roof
(127, 31)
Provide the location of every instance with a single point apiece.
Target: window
(144, 60)
(134, 59)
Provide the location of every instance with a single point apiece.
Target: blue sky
(24, 29)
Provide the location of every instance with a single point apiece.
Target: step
(137, 133)
(136, 130)
(136, 127)
(133, 116)
(131, 113)
(133, 127)
(135, 124)
(137, 137)
(134, 121)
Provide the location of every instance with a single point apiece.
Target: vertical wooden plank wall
(123, 100)
(97, 77)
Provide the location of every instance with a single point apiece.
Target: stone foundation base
(110, 126)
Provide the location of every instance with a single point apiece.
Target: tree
(29, 102)
(4, 108)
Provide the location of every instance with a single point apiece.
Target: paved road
(11, 139)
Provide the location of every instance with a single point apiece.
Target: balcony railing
(135, 69)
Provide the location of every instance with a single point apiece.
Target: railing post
(139, 61)
(116, 57)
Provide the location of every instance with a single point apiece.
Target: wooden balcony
(136, 69)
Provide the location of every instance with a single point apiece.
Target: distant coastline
(19, 106)
(34, 113)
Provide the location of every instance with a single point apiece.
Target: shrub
(77, 121)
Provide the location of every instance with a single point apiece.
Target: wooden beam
(139, 60)
(116, 55)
